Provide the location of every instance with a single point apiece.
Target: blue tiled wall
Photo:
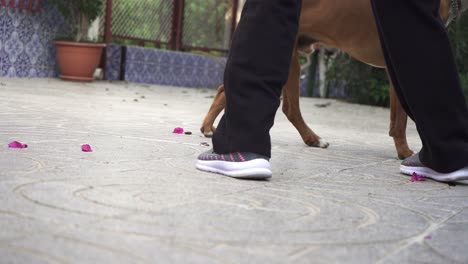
(114, 61)
(26, 48)
(145, 65)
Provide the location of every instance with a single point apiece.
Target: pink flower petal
(17, 145)
(178, 130)
(416, 177)
(86, 148)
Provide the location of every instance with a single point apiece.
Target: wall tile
(26, 42)
(173, 68)
(114, 57)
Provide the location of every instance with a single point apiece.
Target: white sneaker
(414, 165)
(241, 165)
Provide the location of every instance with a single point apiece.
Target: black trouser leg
(423, 70)
(256, 71)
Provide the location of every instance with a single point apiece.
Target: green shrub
(364, 84)
(80, 14)
(464, 83)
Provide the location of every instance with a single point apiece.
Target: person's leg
(422, 67)
(257, 69)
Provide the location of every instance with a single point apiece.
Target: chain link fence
(208, 23)
(174, 24)
(142, 19)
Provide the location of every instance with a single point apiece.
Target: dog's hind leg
(291, 105)
(398, 122)
(216, 107)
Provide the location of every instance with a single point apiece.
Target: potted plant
(78, 56)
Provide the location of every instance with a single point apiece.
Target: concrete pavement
(138, 199)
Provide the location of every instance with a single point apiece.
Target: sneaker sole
(258, 169)
(459, 175)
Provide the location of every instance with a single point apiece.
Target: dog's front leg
(216, 107)
(398, 122)
(291, 106)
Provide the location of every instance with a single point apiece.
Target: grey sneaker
(241, 165)
(414, 165)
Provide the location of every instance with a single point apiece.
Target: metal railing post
(108, 22)
(177, 25)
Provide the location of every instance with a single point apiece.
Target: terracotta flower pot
(78, 61)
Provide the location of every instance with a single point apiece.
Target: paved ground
(137, 198)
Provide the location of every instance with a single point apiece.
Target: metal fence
(175, 24)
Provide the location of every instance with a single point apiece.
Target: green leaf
(76, 10)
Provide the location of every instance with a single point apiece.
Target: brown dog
(345, 25)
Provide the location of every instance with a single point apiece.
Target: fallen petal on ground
(178, 130)
(86, 148)
(17, 145)
(416, 177)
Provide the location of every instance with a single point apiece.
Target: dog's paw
(321, 144)
(317, 143)
(207, 132)
(405, 154)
